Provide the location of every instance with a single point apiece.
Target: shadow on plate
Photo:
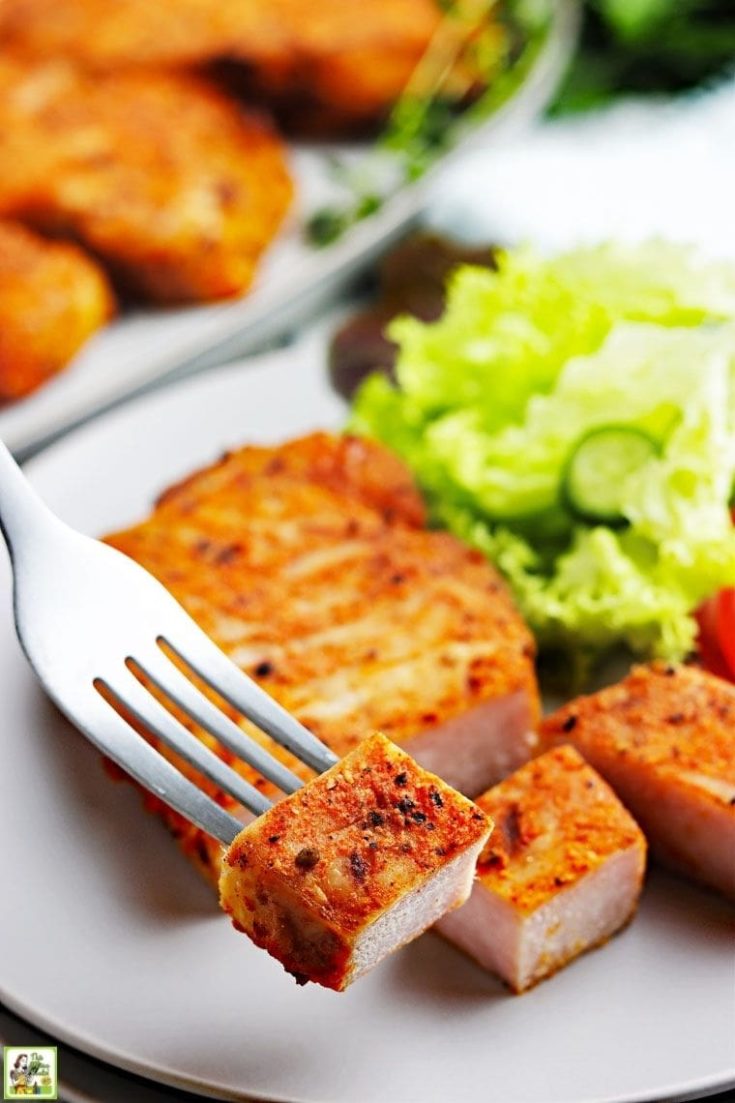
(676, 912)
(431, 969)
(110, 816)
(674, 908)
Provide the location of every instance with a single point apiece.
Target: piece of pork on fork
(357, 863)
(664, 738)
(562, 872)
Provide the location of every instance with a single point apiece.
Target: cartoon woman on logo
(21, 1079)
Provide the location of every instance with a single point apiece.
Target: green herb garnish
(478, 40)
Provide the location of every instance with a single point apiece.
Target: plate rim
(673, 1093)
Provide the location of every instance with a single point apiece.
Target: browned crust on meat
(556, 820)
(670, 719)
(363, 472)
(126, 33)
(159, 175)
(320, 67)
(342, 851)
(52, 298)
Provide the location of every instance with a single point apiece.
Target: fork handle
(22, 513)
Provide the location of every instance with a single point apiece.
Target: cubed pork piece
(562, 872)
(357, 863)
(664, 738)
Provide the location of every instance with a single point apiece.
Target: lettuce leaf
(506, 335)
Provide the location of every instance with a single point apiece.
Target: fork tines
(129, 693)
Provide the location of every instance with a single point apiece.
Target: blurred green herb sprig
(500, 39)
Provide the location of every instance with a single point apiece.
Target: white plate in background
(113, 944)
(294, 282)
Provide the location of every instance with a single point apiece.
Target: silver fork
(87, 616)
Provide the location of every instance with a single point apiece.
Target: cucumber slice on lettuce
(596, 476)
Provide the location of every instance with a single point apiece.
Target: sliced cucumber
(597, 468)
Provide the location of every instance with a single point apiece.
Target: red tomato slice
(708, 642)
(726, 627)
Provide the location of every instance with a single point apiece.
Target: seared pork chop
(52, 298)
(321, 66)
(309, 565)
(160, 176)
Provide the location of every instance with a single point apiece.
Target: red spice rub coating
(556, 820)
(171, 185)
(676, 718)
(310, 876)
(664, 738)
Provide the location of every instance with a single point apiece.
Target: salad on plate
(574, 418)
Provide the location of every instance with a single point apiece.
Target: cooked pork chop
(52, 298)
(160, 176)
(320, 65)
(103, 36)
(309, 565)
(664, 738)
(329, 72)
(561, 874)
(352, 866)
